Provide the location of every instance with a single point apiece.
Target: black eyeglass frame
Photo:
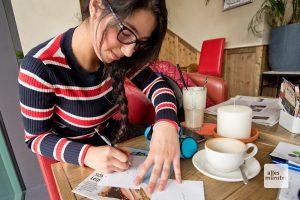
(139, 44)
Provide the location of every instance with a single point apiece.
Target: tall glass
(194, 101)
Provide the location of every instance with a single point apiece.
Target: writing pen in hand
(104, 138)
(108, 142)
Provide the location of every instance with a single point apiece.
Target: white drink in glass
(194, 101)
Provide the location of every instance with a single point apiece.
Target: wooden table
(69, 176)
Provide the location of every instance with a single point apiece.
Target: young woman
(74, 83)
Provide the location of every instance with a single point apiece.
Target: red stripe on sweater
(59, 149)
(32, 81)
(60, 60)
(161, 91)
(51, 50)
(37, 142)
(36, 113)
(84, 122)
(83, 154)
(148, 88)
(165, 106)
(83, 93)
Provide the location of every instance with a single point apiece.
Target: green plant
(277, 13)
(19, 55)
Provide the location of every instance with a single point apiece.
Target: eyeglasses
(126, 36)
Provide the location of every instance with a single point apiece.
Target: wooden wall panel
(169, 48)
(242, 70)
(178, 51)
(186, 54)
(242, 67)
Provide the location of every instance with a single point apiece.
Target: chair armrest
(140, 109)
(45, 166)
(217, 89)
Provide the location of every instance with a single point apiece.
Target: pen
(104, 138)
(107, 141)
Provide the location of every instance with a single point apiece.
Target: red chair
(211, 57)
(45, 166)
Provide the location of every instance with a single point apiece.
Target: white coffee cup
(194, 101)
(227, 154)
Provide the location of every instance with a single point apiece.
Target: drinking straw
(181, 76)
(205, 82)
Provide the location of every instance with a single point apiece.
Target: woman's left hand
(164, 150)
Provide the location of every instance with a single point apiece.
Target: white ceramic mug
(227, 154)
(194, 101)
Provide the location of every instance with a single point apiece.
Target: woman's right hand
(106, 159)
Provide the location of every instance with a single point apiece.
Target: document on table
(187, 190)
(287, 151)
(120, 184)
(293, 191)
(124, 179)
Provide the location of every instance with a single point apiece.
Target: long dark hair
(117, 69)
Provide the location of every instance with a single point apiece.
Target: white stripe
(36, 109)
(34, 76)
(36, 118)
(80, 154)
(63, 151)
(41, 51)
(165, 107)
(150, 86)
(35, 88)
(91, 118)
(51, 62)
(85, 98)
(157, 94)
(86, 118)
(30, 135)
(81, 136)
(55, 147)
(38, 147)
(58, 53)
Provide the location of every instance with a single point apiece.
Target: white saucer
(252, 168)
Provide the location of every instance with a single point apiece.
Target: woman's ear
(94, 7)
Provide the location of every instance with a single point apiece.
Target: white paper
(265, 111)
(293, 191)
(287, 151)
(187, 190)
(124, 179)
(99, 186)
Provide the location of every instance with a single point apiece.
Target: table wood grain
(69, 176)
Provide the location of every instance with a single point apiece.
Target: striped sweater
(61, 103)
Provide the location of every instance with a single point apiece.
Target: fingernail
(136, 182)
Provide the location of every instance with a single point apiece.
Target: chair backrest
(211, 57)
(45, 166)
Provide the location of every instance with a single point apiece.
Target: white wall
(40, 20)
(194, 22)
